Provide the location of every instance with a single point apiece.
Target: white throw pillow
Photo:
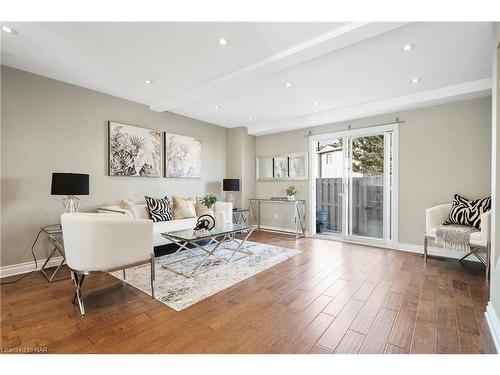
(184, 208)
(126, 203)
(140, 211)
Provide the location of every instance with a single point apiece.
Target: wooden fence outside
(367, 204)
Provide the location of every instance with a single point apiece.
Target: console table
(299, 209)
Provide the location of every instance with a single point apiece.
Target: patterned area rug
(179, 292)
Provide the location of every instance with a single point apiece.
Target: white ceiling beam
(463, 91)
(336, 39)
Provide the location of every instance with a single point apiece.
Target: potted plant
(208, 200)
(290, 192)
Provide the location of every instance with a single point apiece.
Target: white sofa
(437, 215)
(139, 211)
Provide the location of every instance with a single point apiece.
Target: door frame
(359, 132)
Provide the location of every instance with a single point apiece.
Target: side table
(54, 234)
(241, 215)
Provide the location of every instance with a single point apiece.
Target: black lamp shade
(70, 184)
(231, 184)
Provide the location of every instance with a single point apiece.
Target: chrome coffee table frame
(228, 236)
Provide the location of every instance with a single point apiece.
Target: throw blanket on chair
(453, 236)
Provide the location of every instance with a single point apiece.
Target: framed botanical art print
(182, 156)
(133, 151)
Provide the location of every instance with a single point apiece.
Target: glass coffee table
(219, 238)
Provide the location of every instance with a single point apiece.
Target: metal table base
(209, 253)
(54, 234)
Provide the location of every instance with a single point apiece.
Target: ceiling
(336, 71)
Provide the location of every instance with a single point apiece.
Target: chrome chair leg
(466, 255)
(153, 275)
(74, 279)
(426, 244)
(124, 274)
(488, 255)
(77, 282)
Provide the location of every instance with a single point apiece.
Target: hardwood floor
(331, 298)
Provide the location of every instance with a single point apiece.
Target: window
(329, 158)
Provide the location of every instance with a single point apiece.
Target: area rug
(179, 292)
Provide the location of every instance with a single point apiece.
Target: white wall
(240, 163)
(50, 126)
(494, 308)
(444, 149)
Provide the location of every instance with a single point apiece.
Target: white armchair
(437, 215)
(102, 243)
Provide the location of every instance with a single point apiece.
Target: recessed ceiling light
(415, 80)
(288, 84)
(223, 41)
(250, 119)
(316, 104)
(216, 106)
(7, 29)
(148, 81)
(408, 47)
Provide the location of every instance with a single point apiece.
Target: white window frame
(388, 207)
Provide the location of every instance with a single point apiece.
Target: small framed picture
(280, 167)
(297, 166)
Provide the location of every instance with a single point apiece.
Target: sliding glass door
(330, 167)
(353, 184)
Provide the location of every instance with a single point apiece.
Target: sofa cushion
(138, 211)
(126, 203)
(184, 208)
(468, 212)
(159, 209)
(170, 226)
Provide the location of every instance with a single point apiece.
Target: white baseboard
(493, 324)
(17, 269)
(435, 251)
(278, 229)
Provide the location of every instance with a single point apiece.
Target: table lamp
(230, 185)
(70, 184)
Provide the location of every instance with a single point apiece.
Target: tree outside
(368, 155)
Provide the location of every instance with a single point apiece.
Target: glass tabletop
(190, 235)
(278, 200)
(54, 229)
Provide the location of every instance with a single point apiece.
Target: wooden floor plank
(350, 343)
(306, 341)
(402, 330)
(336, 331)
(391, 349)
(376, 340)
(424, 335)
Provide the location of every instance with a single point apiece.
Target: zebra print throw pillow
(159, 209)
(466, 212)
